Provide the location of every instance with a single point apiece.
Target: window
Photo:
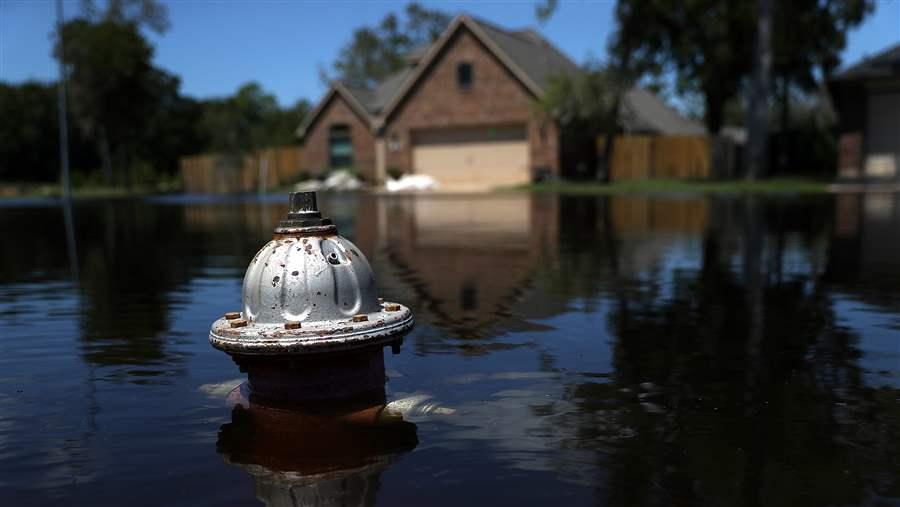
(464, 75)
(340, 146)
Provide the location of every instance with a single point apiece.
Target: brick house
(462, 111)
(866, 97)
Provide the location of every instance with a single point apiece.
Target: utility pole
(63, 119)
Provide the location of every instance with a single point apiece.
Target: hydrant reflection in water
(326, 454)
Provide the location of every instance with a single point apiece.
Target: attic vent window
(464, 76)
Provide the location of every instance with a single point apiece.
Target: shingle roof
(386, 90)
(534, 60)
(883, 64)
(363, 96)
(536, 57)
(644, 111)
(533, 54)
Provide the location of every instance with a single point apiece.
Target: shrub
(394, 172)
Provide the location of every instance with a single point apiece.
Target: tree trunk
(105, 156)
(608, 146)
(784, 144)
(757, 116)
(715, 111)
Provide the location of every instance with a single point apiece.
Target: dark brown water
(569, 351)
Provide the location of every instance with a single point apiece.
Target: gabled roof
(644, 111)
(530, 57)
(883, 64)
(355, 97)
(526, 54)
(529, 51)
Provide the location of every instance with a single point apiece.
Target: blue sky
(217, 45)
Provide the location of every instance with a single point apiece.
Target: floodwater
(568, 351)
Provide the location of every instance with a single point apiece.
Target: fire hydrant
(312, 326)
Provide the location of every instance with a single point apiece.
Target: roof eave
(336, 88)
(437, 47)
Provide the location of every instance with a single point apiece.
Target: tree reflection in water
(733, 382)
(615, 350)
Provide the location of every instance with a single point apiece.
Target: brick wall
(495, 98)
(850, 155)
(315, 143)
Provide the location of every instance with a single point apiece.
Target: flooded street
(568, 350)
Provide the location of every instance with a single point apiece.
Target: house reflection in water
(472, 265)
(465, 260)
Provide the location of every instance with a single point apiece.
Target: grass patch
(82, 192)
(769, 186)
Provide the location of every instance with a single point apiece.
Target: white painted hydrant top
(308, 290)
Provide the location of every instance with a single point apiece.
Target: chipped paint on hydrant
(312, 325)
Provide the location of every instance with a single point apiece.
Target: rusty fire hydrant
(312, 326)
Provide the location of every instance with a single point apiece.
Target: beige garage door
(472, 157)
(883, 132)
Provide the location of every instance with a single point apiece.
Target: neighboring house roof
(883, 64)
(644, 111)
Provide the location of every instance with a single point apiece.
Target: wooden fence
(660, 157)
(218, 173)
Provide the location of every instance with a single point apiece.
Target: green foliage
(249, 120)
(809, 35)
(377, 52)
(545, 9)
(29, 143)
(27, 147)
(112, 86)
(708, 44)
(151, 13)
(394, 172)
(586, 101)
(130, 123)
(648, 187)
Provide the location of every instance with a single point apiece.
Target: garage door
(472, 157)
(883, 136)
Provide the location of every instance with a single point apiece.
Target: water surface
(572, 350)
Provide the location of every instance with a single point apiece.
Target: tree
(29, 119)
(375, 53)
(757, 153)
(249, 120)
(707, 44)
(111, 83)
(710, 47)
(151, 13)
(804, 58)
(586, 105)
(171, 130)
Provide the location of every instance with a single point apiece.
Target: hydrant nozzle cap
(303, 205)
(303, 211)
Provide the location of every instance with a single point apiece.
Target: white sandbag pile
(337, 181)
(411, 182)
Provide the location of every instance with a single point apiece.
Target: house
(866, 98)
(463, 112)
